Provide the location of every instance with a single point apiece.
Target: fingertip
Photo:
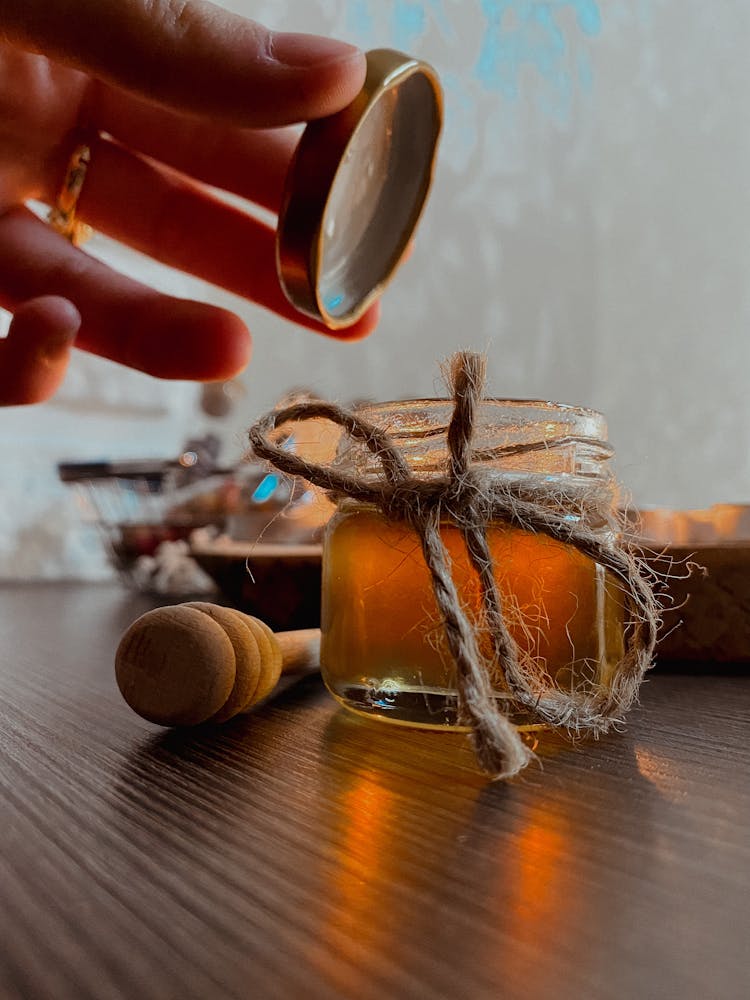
(182, 339)
(232, 345)
(335, 71)
(209, 343)
(50, 315)
(36, 352)
(304, 51)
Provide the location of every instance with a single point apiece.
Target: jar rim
(510, 403)
(403, 417)
(521, 435)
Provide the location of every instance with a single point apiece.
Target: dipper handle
(300, 650)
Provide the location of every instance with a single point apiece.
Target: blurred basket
(139, 507)
(146, 511)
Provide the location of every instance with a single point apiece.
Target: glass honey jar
(383, 651)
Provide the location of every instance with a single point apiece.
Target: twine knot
(472, 498)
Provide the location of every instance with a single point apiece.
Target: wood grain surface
(300, 852)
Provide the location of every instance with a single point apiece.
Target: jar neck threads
(508, 436)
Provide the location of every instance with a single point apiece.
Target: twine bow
(471, 497)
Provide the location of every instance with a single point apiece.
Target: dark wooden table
(300, 852)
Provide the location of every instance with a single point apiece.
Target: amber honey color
(383, 652)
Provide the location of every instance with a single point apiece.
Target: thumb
(192, 56)
(34, 356)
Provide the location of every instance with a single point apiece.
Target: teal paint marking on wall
(589, 18)
(409, 23)
(523, 34)
(359, 18)
(585, 73)
(546, 37)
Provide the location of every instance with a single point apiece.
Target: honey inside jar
(383, 652)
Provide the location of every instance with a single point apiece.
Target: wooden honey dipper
(192, 663)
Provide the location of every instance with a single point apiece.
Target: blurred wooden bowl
(707, 619)
(279, 584)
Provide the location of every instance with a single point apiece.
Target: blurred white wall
(589, 228)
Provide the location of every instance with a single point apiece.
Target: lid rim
(320, 154)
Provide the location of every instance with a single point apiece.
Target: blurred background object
(279, 582)
(722, 524)
(267, 561)
(218, 399)
(163, 522)
(706, 554)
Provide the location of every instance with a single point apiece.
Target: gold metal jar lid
(356, 189)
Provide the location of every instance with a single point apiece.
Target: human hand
(174, 97)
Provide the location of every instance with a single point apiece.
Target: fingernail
(308, 51)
